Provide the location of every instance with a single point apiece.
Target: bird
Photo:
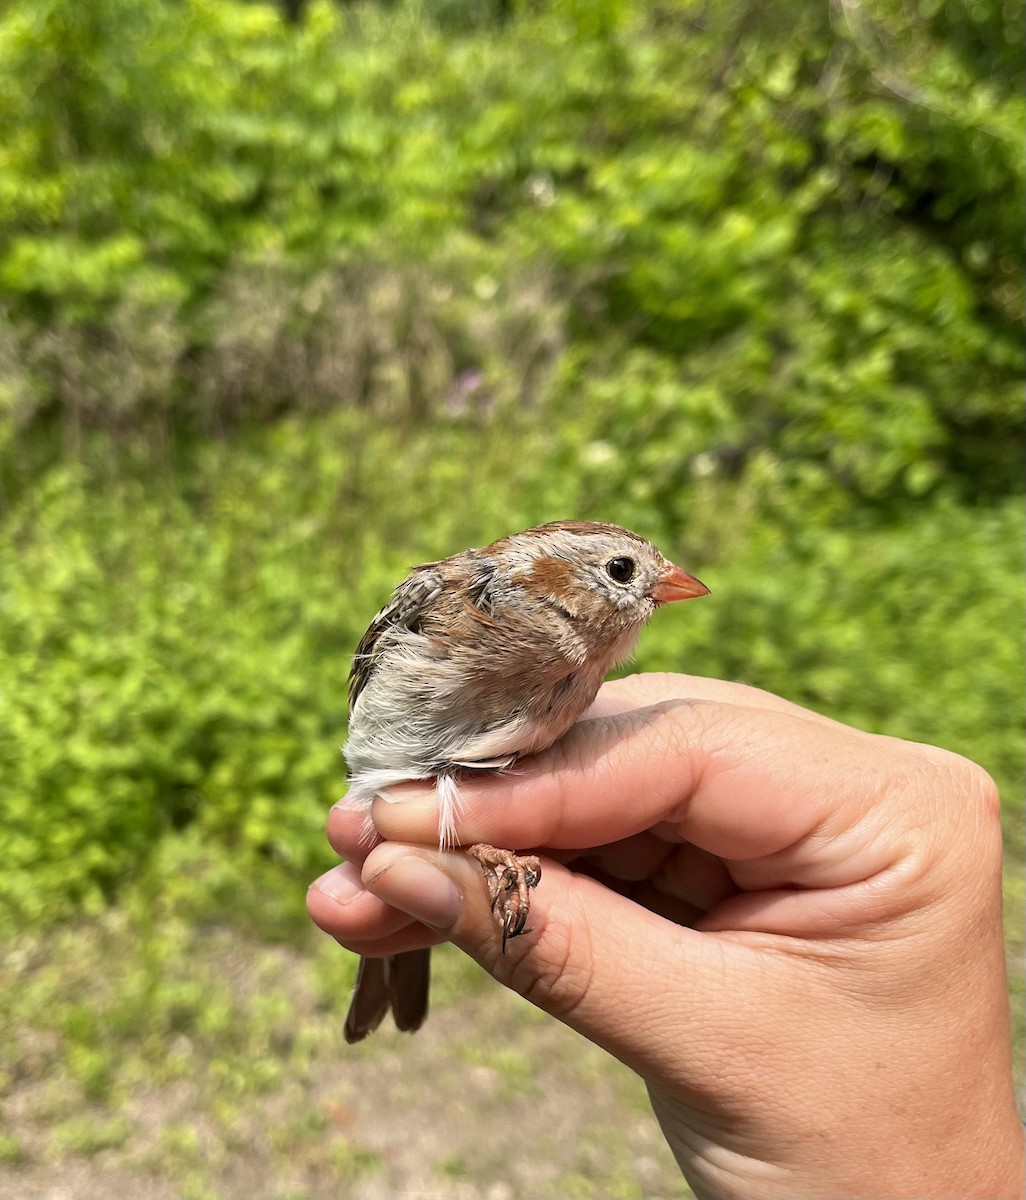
(476, 661)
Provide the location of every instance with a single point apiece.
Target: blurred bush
(209, 212)
(286, 306)
(174, 663)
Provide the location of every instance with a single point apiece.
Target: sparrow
(476, 661)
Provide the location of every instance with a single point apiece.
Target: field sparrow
(476, 661)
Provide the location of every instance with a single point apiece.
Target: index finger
(640, 691)
(346, 829)
(741, 783)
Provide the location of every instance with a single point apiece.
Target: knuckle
(683, 726)
(982, 790)
(973, 789)
(678, 729)
(981, 804)
(967, 809)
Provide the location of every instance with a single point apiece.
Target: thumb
(627, 979)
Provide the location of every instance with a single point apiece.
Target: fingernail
(416, 886)
(341, 883)
(405, 793)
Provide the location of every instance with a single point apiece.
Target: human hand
(789, 928)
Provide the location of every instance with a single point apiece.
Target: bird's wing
(404, 611)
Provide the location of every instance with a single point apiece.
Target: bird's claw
(513, 926)
(510, 878)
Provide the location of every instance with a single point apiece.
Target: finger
(639, 691)
(339, 904)
(643, 893)
(348, 834)
(347, 830)
(678, 871)
(742, 784)
(672, 908)
(694, 877)
(683, 886)
(624, 977)
(632, 859)
(414, 936)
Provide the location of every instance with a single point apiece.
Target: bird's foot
(510, 878)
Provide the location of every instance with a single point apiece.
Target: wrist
(987, 1164)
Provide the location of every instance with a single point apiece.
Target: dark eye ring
(620, 569)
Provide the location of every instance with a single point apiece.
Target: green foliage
(288, 307)
(168, 663)
(184, 664)
(821, 215)
(749, 299)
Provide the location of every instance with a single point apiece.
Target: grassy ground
(155, 1058)
(152, 1053)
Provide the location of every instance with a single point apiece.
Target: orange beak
(677, 585)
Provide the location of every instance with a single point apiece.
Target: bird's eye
(620, 569)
